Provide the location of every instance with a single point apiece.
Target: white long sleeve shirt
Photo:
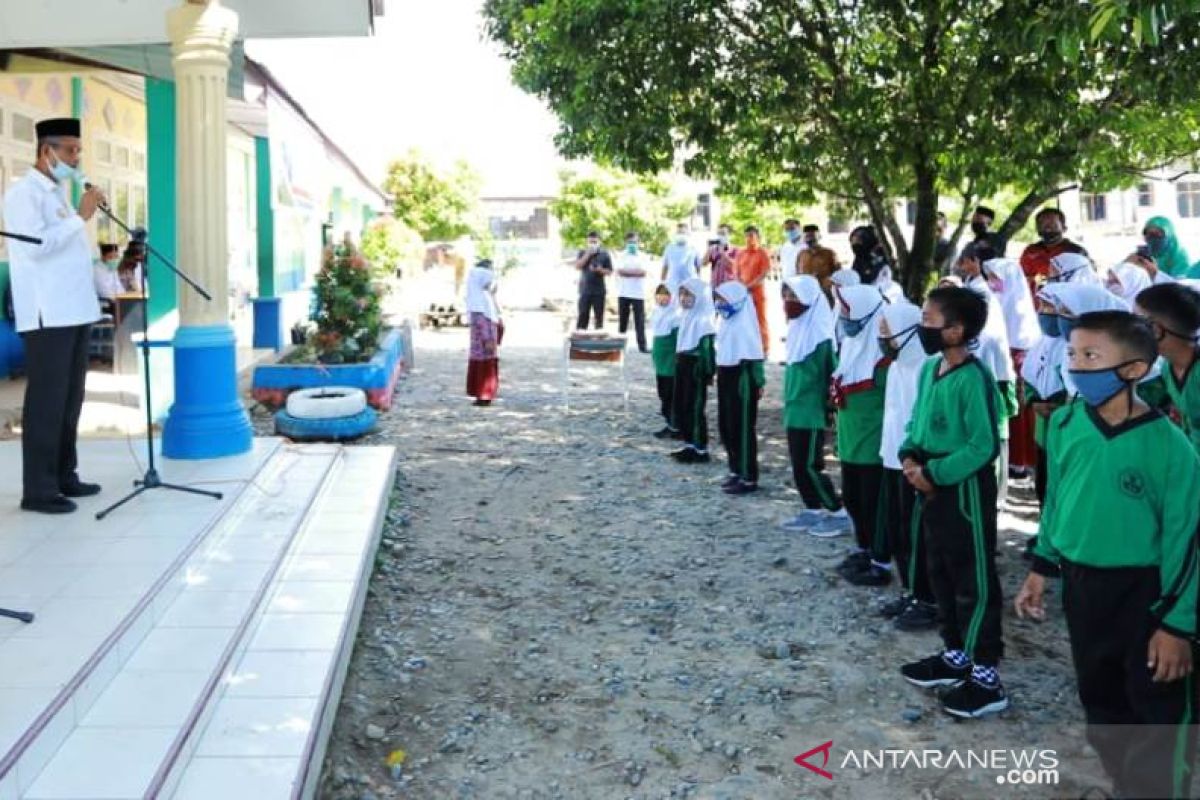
(52, 282)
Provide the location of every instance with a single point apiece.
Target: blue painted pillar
(207, 419)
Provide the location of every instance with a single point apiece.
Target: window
(910, 212)
(23, 129)
(1145, 194)
(103, 152)
(1187, 195)
(139, 161)
(1094, 207)
(137, 212)
(704, 210)
(838, 225)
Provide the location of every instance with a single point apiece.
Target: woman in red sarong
(487, 330)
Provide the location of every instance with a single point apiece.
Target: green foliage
(738, 211)
(440, 205)
(348, 313)
(614, 202)
(870, 102)
(388, 243)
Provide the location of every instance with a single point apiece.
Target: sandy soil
(560, 611)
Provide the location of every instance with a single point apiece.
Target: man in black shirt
(594, 265)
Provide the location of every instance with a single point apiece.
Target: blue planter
(268, 323)
(12, 350)
(273, 382)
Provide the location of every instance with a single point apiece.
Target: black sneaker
(681, 453)
(80, 489)
(49, 505)
(919, 616)
(934, 671)
(972, 700)
(730, 481)
(666, 433)
(741, 487)
(871, 575)
(854, 562)
(690, 456)
(896, 607)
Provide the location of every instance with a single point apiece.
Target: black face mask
(931, 339)
(1050, 237)
(979, 228)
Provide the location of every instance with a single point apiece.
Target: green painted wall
(161, 202)
(77, 113)
(266, 217)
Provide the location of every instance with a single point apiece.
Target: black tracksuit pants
(690, 399)
(1145, 732)
(806, 448)
(666, 398)
(56, 362)
(960, 537)
(737, 419)
(590, 306)
(902, 520)
(862, 492)
(625, 305)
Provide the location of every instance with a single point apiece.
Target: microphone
(88, 187)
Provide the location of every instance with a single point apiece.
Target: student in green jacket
(1174, 311)
(740, 381)
(1121, 519)
(665, 326)
(948, 456)
(810, 363)
(695, 366)
(858, 388)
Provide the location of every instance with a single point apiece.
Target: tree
(440, 205)
(388, 244)
(868, 102)
(613, 203)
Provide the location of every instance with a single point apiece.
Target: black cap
(62, 126)
(791, 221)
(811, 229)
(984, 211)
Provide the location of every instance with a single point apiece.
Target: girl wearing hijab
(858, 392)
(695, 365)
(740, 381)
(1007, 282)
(810, 363)
(1072, 268)
(1127, 281)
(664, 323)
(483, 365)
(915, 609)
(991, 348)
(1168, 253)
(1041, 371)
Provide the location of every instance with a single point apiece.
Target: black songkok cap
(984, 211)
(62, 126)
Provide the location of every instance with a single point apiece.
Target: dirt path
(560, 611)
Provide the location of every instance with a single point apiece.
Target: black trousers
(862, 492)
(56, 362)
(1039, 477)
(902, 520)
(737, 420)
(1145, 732)
(960, 537)
(806, 448)
(638, 307)
(666, 398)
(691, 399)
(590, 305)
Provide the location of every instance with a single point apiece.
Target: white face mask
(62, 171)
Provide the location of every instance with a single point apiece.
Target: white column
(202, 33)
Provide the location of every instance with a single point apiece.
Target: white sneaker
(830, 527)
(804, 520)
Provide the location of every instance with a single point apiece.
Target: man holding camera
(54, 301)
(594, 265)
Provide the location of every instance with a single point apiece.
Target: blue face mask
(1050, 324)
(1098, 386)
(726, 309)
(793, 234)
(62, 171)
(631, 247)
(853, 327)
(1065, 326)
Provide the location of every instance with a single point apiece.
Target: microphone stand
(151, 479)
(23, 616)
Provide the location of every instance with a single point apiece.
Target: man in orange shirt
(752, 265)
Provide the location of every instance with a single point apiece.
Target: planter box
(273, 382)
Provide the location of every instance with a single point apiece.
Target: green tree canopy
(613, 203)
(439, 204)
(869, 102)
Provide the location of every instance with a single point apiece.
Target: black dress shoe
(52, 505)
(80, 489)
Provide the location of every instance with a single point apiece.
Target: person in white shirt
(54, 300)
(108, 285)
(681, 261)
(789, 251)
(631, 290)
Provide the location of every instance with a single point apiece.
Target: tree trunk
(1029, 204)
(919, 266)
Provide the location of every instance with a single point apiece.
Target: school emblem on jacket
(939, 423)
(1132, 482)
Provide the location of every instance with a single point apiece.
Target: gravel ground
(560, 611)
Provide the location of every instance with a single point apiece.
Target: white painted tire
(328, 402)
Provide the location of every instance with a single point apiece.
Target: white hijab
(888, 287)
(665, 319)
(1080, 299)
(1127, 281)
(1075, 268)
(739, 338)
(993, 339)
(903, 379)
(696, 322)
(1009, 285)
(481, 284)
(807, 331)
(859, 354)
(844, 276)
(903, 318)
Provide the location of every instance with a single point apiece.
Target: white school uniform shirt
(52, 282)
(682, 263)
(789, 254)
(634, 288)
(903, 379)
